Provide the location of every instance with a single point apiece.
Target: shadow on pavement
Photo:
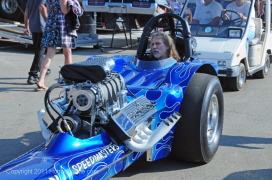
(19, 146)
(260, 174)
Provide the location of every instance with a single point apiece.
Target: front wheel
(236, 83)
(198, 132)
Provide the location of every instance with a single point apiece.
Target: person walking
(56, 34)
(34, 25)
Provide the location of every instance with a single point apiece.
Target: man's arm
(224, 15)
(262, 3)
(215, 20)
(257, 5)
(195, 16)
(190, 17)
(216, 13)
(43, 11)
(195, 21)
(26, 21)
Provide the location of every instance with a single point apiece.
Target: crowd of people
(45, 20)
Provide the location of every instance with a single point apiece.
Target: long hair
(168, 41)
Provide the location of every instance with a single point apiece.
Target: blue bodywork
(99, 157)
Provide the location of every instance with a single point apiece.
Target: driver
(242, 8)
(162, 46)
(163, 52)
(207, 13)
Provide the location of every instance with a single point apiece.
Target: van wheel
(198, 132)
(12, 9)
(264, 72)
(236, 83)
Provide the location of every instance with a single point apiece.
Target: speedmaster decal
(91, 160)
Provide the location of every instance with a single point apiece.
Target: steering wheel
(171, 19)
(174, 31)
(238, 21)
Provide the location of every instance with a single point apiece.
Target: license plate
(118, 9)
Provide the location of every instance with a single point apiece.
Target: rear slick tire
(198, 132)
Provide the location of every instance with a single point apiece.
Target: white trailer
(12, 13)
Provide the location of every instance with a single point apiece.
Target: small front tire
(236, 83)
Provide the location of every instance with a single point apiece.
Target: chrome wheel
(212, 119)
(242, 76)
